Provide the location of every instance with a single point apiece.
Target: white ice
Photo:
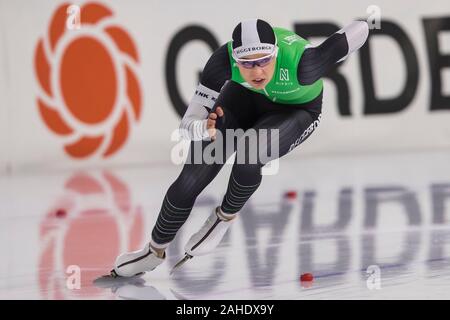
(390, 212)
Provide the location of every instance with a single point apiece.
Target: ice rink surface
(353, 218)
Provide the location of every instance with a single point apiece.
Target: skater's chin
(259, 83)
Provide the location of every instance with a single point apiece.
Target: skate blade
(114, 275)
(110, 280)
(180, 263)
(178, 295)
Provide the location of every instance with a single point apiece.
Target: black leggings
(251, 112)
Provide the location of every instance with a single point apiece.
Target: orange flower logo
(90, 93)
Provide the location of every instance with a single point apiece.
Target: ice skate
(136, 263)
(208, 237)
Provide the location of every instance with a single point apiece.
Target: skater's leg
(179, 200)
(175, 209)
(197, 174)
(293, 128)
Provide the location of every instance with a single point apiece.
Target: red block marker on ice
(291, 194)
(307, 277)
(306, 280)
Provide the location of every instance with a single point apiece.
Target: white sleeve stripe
(193, 124)
(356, 34)
(198, 128)
(205, 96)
(207, 90)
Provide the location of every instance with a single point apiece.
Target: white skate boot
(137, 262)
(208, 237)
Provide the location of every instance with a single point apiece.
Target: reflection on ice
(342, 223)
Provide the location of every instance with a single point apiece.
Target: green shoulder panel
(283, 87)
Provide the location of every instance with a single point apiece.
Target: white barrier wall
(125, 47)
(4, 144)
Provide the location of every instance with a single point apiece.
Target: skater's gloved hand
(211, 123)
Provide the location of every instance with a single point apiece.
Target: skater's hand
(211, 123)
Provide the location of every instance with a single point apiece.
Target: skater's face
(258, 75)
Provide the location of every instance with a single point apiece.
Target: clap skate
(207, 238)
(136, 263)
